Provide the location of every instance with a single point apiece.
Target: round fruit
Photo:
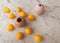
(23, 14)
(10, 27)
(19, 35)
(18, 9)
(11, 15)
(28, 30)
(6, 9)
(38, 38)
(31, 17)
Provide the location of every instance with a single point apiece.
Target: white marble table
(47, 25)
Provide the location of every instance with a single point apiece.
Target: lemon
(31, 17)
(10, 27)
(23, 14)
(6, 9)
(38, 38)
(19, 35)
(11, 15)
(18, 9)
(28, 30)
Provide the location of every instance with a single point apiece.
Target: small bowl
(20, 22)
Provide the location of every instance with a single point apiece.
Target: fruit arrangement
(21, 22)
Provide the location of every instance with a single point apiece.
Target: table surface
(47, 24)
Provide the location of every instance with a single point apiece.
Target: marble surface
(47, 24)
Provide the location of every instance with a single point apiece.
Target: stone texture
(47, 25)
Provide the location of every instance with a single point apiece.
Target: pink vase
(39, 8)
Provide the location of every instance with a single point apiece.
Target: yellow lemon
(6, 9)
(31, 17)
(28, 30)
(11, 15)
(18, 9)
(19, 35)
(38, 38)
(23, 14)
(10, 27)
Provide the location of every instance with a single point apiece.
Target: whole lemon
(23, 14)
(18, 9)
(31, 17)
(28, 30)
(11, 15)
(19, 35)
(10, 27)
(6, 9)
(38, 38)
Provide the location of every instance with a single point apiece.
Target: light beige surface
(47, 25)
